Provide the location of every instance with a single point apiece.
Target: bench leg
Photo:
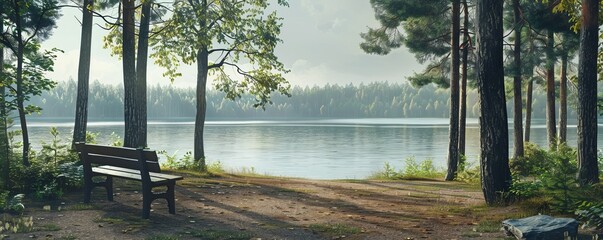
(170, 198)
(109, 187)
(147, 198)
(87, 191)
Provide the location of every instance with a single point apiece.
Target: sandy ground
(233, 207)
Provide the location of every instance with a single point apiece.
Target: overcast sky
(321, 45)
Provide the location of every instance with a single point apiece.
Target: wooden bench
(128, 163)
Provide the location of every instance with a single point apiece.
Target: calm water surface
(318, 149)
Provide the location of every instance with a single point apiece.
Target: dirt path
(272, 208)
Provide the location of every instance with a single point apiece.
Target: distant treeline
(374, 100)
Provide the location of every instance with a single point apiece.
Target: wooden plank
(127, 175)
(157, 175)
(120, 151)
(121, 162)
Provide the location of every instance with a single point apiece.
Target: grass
(162, 237)
(488, 226)
(336, 229)
(48, 227)
(212, 234)
(80, 207)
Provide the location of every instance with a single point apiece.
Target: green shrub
(469, 174)
(51, 171)
(412, 170)
(591, 213)
(534, 162)
(559, 180)
(184, 163)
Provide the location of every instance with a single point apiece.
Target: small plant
(424, 169)
(560, 180)
(50, 190)
(51, 151)
(469, 174)
(534, 162)
(116, 140)
(215, 167)
(388, 172)
(522, 189)
(15, 204)
(185, 163)
(591, 213)
(16, 225)
(413, 170)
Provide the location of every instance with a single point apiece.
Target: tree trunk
(83, 76)
(494, 157)
(4, 147)
(517, 102)
(528, 110)
(563, 101)
(131, 138)
(550, 92)
(453, 152)
(141, 72)
(202, 65)
(463, 92)
(19, 83)
(588, 172)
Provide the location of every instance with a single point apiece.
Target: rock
(541, 227)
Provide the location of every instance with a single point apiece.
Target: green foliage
(413, 170)
(13, 205)
(185, 163)
(523, 189)
(16, 224)
(468, 174)
(534, 162)
(560, 180)
(52, 171)
(51, 151)
(233, 33)
(591, 213)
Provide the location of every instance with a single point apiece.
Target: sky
(320, 45)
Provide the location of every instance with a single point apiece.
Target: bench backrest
(117, 156)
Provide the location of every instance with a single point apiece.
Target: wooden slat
(121, 162)
(120, 151)
(127, 175)
(157, 175)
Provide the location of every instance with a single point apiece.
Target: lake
(316, 149)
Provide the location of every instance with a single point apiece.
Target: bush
(52, 170)
(534, 162)
(591, 213)
(413, 170)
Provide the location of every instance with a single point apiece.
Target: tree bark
(563, 101)
(83, 76)
(528, 110)
(4, 147)
(550, 92)
(141, 72)
(453, 152)
(494, 157)
(131, 138)
(202, 70)
(517, 101)
(588, 171)
(463, 90)
(19, 83)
